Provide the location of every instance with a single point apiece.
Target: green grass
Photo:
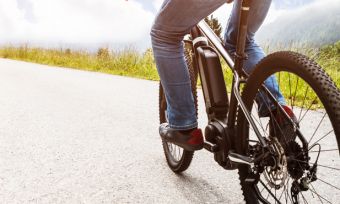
(129, 62)
(328, 57)
(294, 89)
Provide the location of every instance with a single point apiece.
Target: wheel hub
(297, 161)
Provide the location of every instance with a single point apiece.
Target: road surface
(70, 136)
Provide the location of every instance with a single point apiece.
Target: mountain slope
(315, 25)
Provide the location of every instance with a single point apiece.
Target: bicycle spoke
(263, 187)
(312, 194)
(275, 191)
(277, 185)
(316, 193)
(323, 137)
(303, 198)
(289, 196)
(317, 151)
(317, 128)
(319, 195)
(326, 150)
(297, 82)
(261, 122)
(290, 90)
(317, 164)
(318, 178)
(328, 167)
(272, 116)
(313, 164)
(328, 184)
(269, 192)
(284, 188)
(268, 196)
(285, 193)
(303, 103)
(308, 109)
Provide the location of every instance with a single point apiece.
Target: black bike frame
(236, 67)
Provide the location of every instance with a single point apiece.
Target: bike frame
(201, 35)
(238, 74)
(230, 121)
(236, 66)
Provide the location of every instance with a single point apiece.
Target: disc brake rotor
(276, 175)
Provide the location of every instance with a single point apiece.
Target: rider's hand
(229, 1)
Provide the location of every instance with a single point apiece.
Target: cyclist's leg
(174, 20)
(258, 12)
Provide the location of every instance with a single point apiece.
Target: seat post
(242, 36)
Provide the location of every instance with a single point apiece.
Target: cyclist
(173, 22)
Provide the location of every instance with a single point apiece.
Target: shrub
(103, 53)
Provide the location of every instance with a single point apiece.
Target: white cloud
(311, 8)
(296, 6)
(157, 4)
(58, 22)
(88, 22)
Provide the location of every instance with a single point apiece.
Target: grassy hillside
(298, 26)
(329, 59)
(129, 62)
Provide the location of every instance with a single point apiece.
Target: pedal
(240, 159)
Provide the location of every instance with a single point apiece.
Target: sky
(89, 24)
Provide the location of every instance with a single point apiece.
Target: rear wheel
(177, 158)
(295, 174)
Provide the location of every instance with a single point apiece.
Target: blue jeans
(173, 22)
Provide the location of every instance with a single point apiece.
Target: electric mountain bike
(296, 164)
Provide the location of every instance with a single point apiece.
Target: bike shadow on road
(199, 190)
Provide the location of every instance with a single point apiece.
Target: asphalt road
(69, 136)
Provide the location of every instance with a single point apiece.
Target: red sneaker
(281, 127)
(190, 140)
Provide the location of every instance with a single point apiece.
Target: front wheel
(296, 173)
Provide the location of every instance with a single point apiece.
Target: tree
(214, 25)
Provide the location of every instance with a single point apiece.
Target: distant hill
(315, 25)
